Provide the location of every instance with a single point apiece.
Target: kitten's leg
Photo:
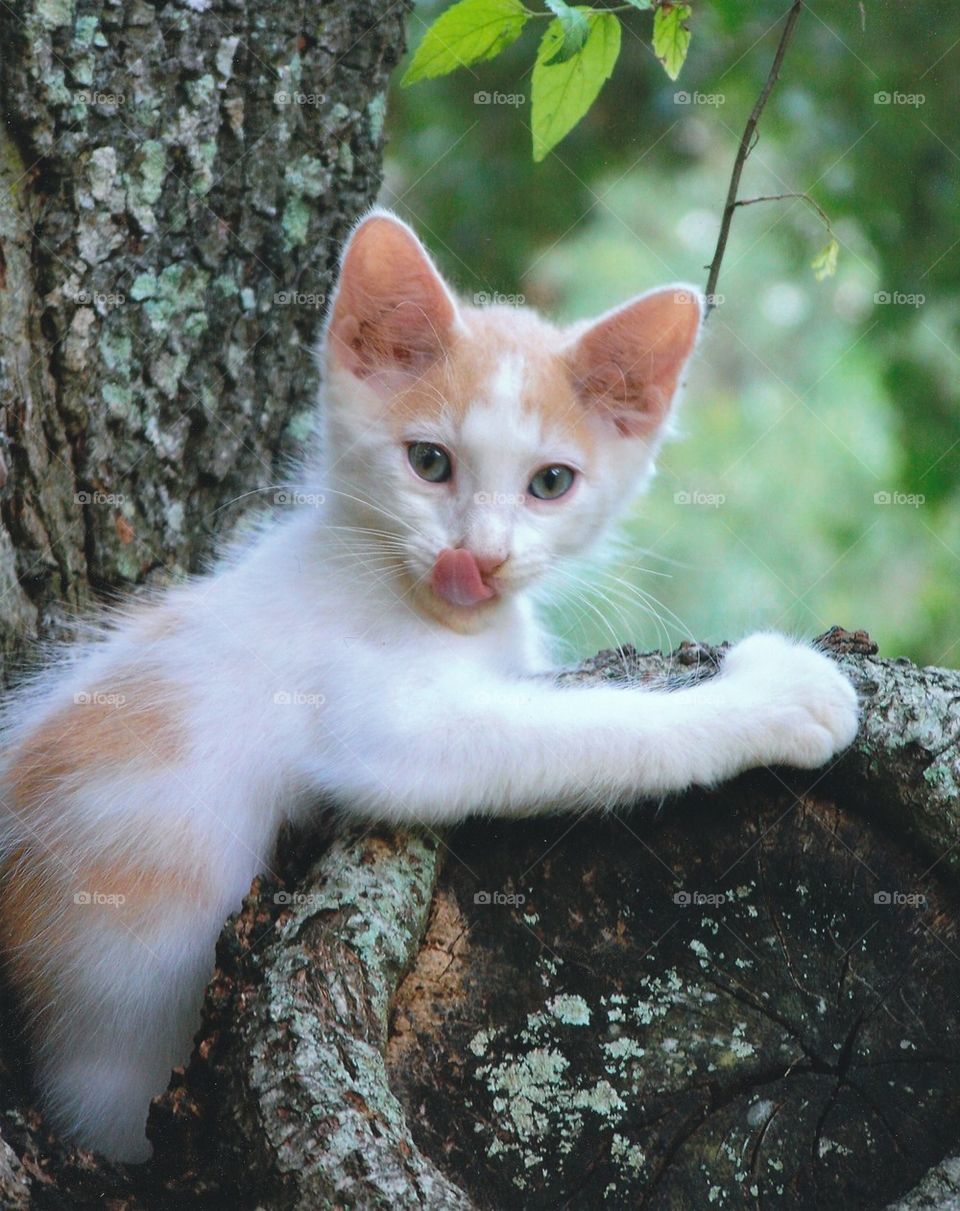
(124, 1012)
(110, 956)
(443, 750)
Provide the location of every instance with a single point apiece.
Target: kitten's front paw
(806, 709)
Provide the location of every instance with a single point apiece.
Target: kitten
(372, 646)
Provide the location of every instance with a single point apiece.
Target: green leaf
(824, 264)
(469, 32)
(576, 29)
(671, 38)
(563, 92)
(643, 5)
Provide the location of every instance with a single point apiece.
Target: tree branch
(747, 142)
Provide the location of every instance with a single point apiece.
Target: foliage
(576, 55)
(864, 119)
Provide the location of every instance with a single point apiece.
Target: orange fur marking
(123, 721)
(462, 378)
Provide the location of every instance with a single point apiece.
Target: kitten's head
(476, 446)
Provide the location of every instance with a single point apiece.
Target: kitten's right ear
(392, 313)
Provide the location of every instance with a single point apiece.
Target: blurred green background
(816, 479)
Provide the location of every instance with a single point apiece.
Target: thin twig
(746, 146)
(783, 197)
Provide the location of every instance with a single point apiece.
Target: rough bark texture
(175, 182)
(745, 998)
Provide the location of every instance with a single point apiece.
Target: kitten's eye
(552, 482)
(430, 462)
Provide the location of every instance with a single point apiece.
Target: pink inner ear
(628, 364)
(392, 311)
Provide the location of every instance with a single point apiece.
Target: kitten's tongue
(456, 578)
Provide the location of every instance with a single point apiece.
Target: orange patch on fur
(126, 720)
(46, 904)
(464, 376)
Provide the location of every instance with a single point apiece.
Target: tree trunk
(176, 181)
(750, 998)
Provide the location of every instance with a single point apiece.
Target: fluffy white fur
(312, 663)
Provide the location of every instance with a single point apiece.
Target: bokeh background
(816, 478)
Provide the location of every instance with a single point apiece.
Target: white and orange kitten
(375, 647)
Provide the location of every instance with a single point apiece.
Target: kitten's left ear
(627, 364)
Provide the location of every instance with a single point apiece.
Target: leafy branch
(576, 55)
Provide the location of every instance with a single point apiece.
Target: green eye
(552, 482)
(430, 462)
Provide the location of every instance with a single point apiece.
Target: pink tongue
(456, 578)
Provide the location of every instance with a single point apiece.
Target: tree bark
(176, 181)
(745, 998)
